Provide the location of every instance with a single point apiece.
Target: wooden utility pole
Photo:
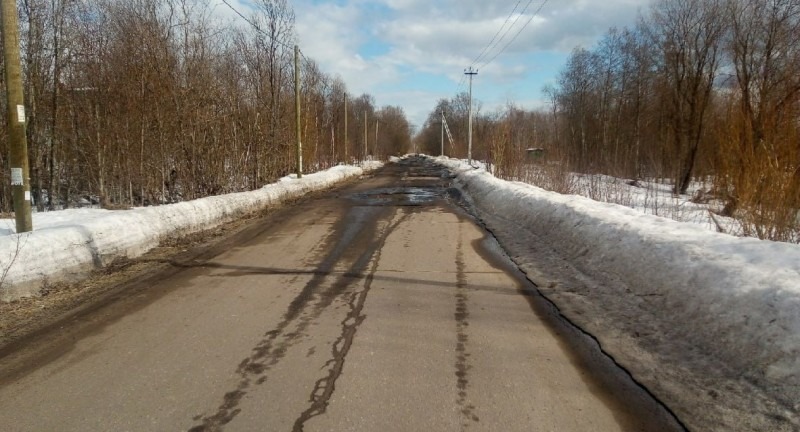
(20, 171)
(471, 72)
(297, 110)
(365, 135)
(345, 128)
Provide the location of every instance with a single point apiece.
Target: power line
(518, 33)
(257, 27)
(461, 84)
(507, 30)
(477, 59)
(495, 41)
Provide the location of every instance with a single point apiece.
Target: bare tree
(760, 162)
(688, 34)
(142, 102)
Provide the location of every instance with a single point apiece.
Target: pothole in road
(405, 196)
(421, 178)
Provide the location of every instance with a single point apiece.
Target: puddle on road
(425, 184)
(400, 196)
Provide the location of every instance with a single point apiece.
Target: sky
(411, 53)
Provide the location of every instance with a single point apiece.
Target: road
(380, 306)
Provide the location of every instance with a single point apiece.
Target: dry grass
(550, 176)
(762, 213)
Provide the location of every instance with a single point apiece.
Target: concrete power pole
(441, 153)
(471, 74)
(297, 110)
(20, 171)
(345, 128)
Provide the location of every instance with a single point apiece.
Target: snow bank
(68, 244)
(729, 303)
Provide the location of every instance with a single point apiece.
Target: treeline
(698, 89)
(142, 102)
(500, 138)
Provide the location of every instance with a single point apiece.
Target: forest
(697, 90)
(145, 102)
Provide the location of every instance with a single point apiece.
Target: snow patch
(66, 245)
(736, 299)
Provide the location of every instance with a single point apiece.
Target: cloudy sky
(411, 53)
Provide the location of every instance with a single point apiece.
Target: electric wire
(517, 35)
(492, 43)
(495, 41)
(507, 30)
(307, 61)
(461, 84)
(257, 28)
(486, 48)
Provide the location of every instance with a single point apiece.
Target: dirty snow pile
(672, 296)
(67, 244)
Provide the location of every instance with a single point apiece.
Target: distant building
(534, 154)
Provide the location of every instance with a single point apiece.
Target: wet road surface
(381, 306)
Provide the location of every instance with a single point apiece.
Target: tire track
(324, 387)
(355, 229)
(461, 316)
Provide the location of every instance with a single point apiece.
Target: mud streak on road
(355, 231)
(324, 387)
(461, 316)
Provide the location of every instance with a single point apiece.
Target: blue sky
(411, 53)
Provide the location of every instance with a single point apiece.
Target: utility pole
(471, 72)
(345, 127)
(365, 135)
(441, 153)
(20, 171)
(375, 148)
(297, 110)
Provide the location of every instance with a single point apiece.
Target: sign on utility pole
(471, 74)
(20, 172)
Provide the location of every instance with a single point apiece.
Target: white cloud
(228, 13)
(415, 104)
(441, 38)
(466, 28)
(333, 35)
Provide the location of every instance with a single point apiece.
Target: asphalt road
(381, 306)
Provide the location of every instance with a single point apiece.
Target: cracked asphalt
(380, 306)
